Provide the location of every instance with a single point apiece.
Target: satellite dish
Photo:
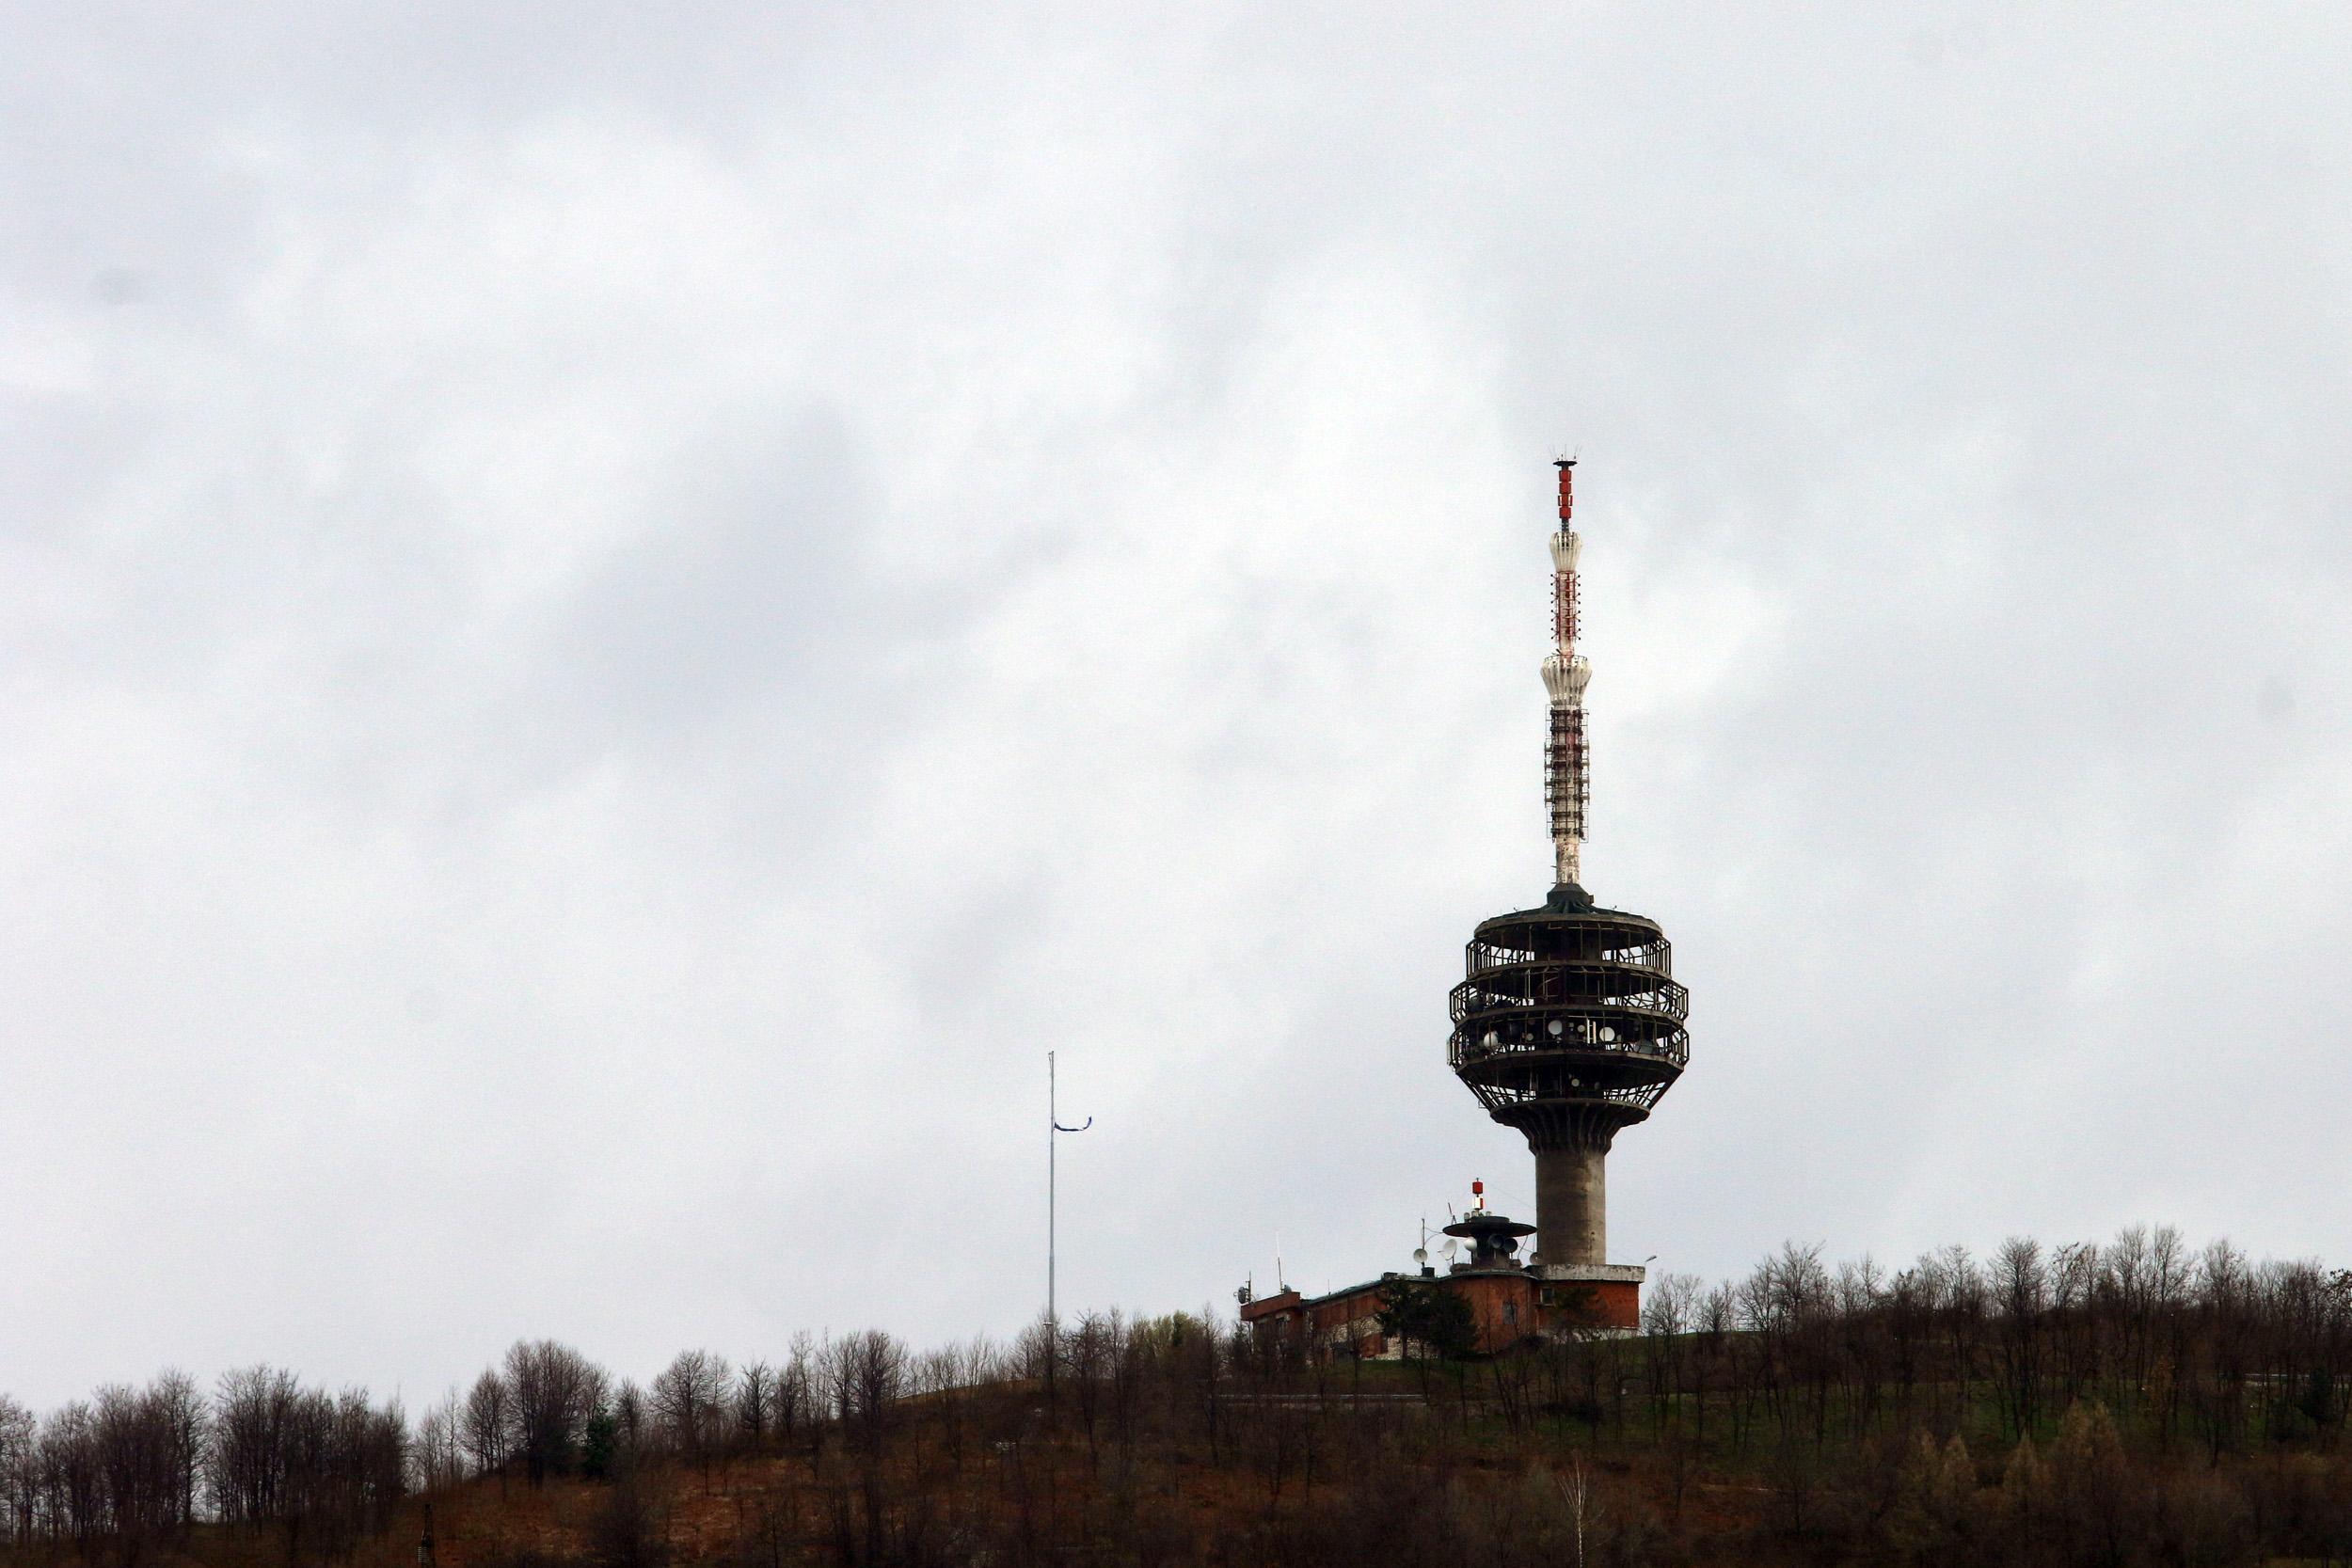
(1450, 1247)
(1421, 1255)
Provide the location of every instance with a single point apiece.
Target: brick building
(1511, 1303)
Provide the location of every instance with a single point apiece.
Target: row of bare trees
(1960, 1409)
(139, 1467)
(2180, 1345)
(546, 1410)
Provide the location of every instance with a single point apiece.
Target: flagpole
(1052, 1120)
(1054, 1129)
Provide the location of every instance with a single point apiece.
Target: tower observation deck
(1569, 1023)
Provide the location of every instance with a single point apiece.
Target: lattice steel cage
(1570, 1018)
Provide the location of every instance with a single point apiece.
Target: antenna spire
(1568, 785)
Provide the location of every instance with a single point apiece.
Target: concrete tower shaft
(1572, 1205)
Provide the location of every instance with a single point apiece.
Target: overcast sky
(613, 617)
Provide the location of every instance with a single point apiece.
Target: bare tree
(144, 1442)
(253, 1414)
(795, 1393)
(345, 1466)
(629, 1418)
(72, 1485)
(20, 1473)
(2022, 1290)
(180, 1411)
(439, 1451)
(490, 1423)
(1668, 1317)
(754, 1402)
(554, 1391)
(690, 1399)
(878, 1365)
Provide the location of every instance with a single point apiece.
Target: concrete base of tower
(1586, 1298)
(1572, 1204)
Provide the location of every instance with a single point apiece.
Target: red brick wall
(1502, 1306)
(1593, 1303)
(1265, 1307)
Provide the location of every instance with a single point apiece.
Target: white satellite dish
(1450, 1247)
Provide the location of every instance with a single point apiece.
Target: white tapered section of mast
(1568, 785)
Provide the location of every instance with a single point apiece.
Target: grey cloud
(615, 619)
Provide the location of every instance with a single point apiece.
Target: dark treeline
(135, 1469)
(2200, 1347)
(2136, 1401)
(2128, 1403)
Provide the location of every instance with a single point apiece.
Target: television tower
(1569, 1027)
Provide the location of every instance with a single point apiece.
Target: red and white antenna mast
(1568, 787)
